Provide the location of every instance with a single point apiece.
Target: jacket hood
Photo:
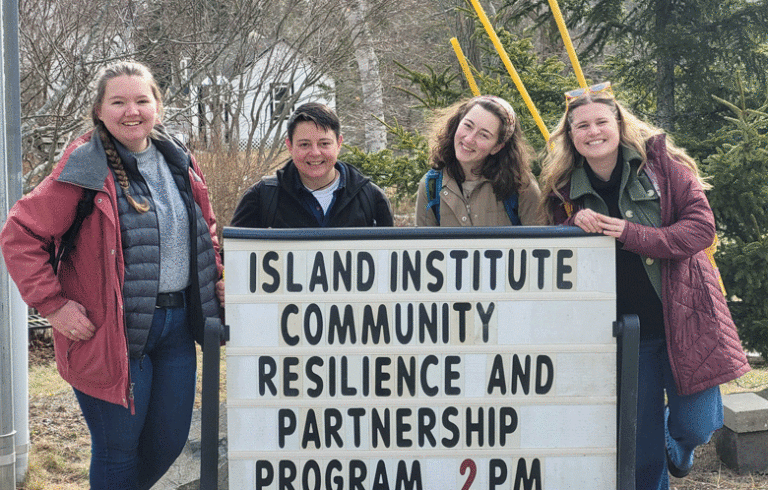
(87, 164)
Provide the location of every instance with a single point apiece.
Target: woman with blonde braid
(608, 172)
(143, 277)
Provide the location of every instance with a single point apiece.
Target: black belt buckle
(170, 300)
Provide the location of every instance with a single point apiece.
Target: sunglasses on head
(580, 92)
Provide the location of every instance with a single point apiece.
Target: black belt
(170, 300)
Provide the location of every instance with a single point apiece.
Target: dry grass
(229, 175)
(59, 442)
(754, 381)
(709, 473)
(60, 451)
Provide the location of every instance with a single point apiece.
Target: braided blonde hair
(131, 69)
(114, 160)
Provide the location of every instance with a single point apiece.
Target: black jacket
(282, 202)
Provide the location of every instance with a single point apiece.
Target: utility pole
(14, 431)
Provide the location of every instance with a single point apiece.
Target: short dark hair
(315, 112)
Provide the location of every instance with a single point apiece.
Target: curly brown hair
(508, 170)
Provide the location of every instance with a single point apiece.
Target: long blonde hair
(131, 69)
(562, 157)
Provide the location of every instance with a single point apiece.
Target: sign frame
(624, 330)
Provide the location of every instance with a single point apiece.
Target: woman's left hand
(610, 226)
(220, 291)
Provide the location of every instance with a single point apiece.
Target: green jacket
(702, 342)
(638, 202)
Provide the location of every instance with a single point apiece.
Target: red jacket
(92, 276)
(703, 345)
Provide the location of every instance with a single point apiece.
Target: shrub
(738, 172)
(398, 168)
(228, 175)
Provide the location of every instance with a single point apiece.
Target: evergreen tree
(402, 165)
(670, 54)
(739, 174)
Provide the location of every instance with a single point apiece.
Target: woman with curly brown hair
(481, 172)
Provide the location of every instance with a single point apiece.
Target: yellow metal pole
(567, 41)
(511, 69)
(465, 66)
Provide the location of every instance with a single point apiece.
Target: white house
(250, 101)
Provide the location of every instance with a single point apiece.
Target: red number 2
(468, 463)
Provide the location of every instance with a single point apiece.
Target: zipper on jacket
(130, 399)
(131, 404)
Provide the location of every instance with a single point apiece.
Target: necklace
(335, 176)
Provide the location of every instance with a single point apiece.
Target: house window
(281, 95)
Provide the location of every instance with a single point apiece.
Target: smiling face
(476, 138)
(595, 134)
(129, 110)
(314, 150)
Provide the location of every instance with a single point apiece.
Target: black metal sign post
(209, 416)
(627, 333)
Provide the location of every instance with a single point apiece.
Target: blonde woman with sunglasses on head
(608, 172)
(481, 173)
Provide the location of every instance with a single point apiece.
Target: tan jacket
(482, 208)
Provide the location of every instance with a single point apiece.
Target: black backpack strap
(268, 200)
(511, 205)
(368, 205)
(84, 208)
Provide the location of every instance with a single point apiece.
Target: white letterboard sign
(432, 364)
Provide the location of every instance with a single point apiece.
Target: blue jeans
(130, 452)
(692, 418)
